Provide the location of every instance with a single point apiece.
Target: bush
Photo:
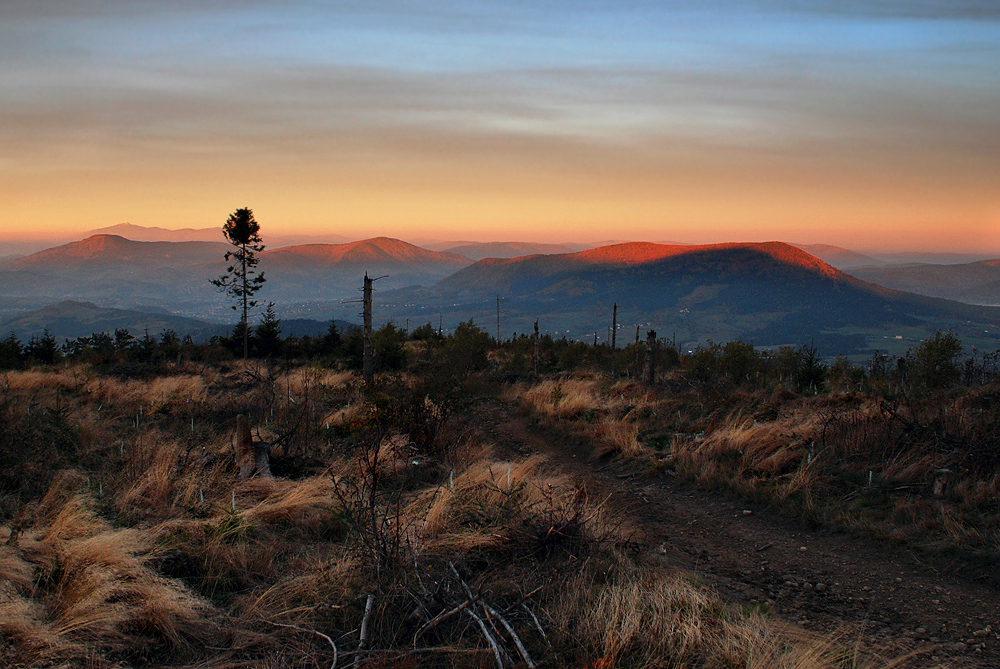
(467, 349)
(935, 361)
(387, 348)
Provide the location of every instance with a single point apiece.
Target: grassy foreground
(920, 470)
(391, 535)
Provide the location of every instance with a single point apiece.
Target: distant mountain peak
(93, 246)
(141, 233)
(109, 249)
(630, 253)
(640, 253)
(374, 250)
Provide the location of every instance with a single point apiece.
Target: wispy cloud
(904, 93)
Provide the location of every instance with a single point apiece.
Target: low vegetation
(394, 533)
(901, 449)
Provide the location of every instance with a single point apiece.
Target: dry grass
(91, 587)
(560, 398)
(34, 380)
(843, 459)
(640, 617)
(77, 590)
(303, 503)
(606, 413)
(570, 397)
(156, 392)
(305, 380)
(620, 436)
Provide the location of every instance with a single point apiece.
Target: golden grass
(346, 415)
(303, 380)
(90, 586)
(621, 436)
(34, 380)
(307, 588)
(609, 411)
(563, 398)
(159, 391)
(293, 503)
(77, 588)
(569, 397)
(641, 617)
(152, 492)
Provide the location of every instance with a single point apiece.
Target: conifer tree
(241, 280)
(268, 333)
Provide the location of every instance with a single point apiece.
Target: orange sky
(869, 130)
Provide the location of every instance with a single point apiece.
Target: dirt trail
(821, 580)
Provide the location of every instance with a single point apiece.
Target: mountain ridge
(769, 292)
(376, 249)
(972, 283)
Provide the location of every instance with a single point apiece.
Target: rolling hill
(973, 283)
(117, 272)
(334, 271)
(101, 251)
(840, 258)
(140, 233)
(772, 293)
(70, 319)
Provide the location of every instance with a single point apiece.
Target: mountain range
(71, 319)
(840, 258)
(975, 283)
(140, 233)
(123, 273)
(478, 250)
(772, 293)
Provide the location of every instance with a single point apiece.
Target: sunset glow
(870, 125)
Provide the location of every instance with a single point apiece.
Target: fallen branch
(525, 598)
(497, 650)
(489, 638)
(433, 622)
(510, 630)
(363, 640)
(333, 665)
(538, 625)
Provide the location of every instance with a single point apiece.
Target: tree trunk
(614, 340)
(368, 365)
(649, 372)
(246, 324)
(536, 348)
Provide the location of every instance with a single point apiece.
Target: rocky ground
(886, 598)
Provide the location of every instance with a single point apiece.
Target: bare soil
(883, 597)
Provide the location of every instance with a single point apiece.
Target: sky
(872, 125)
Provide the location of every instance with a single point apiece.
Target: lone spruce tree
(241, 280)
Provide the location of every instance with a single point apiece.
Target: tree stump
(252, 457)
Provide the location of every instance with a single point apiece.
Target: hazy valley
(772, 294)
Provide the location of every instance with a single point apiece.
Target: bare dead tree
(614, 339)
(368, 367)
(536, 348)
(649, 372)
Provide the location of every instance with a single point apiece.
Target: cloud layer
(841, 122)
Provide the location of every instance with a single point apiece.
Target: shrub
(935, 361)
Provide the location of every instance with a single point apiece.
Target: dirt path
(750, 554)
